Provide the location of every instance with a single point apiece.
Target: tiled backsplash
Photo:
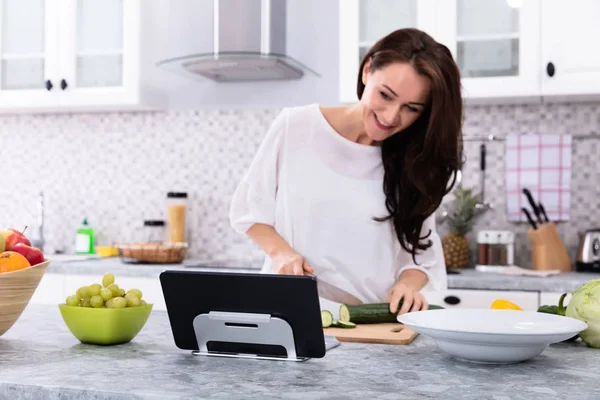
(115, 170)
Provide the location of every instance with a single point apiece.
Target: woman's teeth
(382, 124)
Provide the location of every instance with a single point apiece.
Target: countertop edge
(467, 279)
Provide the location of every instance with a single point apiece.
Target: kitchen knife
(535, 209)
(330, 292)
(531, 221)
(543, 211)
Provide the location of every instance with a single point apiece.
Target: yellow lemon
(502, 304)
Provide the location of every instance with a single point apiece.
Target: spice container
(176, 213)
(496, 248)
(493, 249)
(483, 240)
(154, 231)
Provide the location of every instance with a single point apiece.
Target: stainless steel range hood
(249, 44)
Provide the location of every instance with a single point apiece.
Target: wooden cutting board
(390, 333)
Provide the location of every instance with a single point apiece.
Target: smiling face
(394, 97)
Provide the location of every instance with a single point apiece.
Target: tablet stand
(244, 328)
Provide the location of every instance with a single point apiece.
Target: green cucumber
(371, 313)
(326, 318)
(346, 325)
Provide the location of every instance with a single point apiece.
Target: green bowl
(105, 326)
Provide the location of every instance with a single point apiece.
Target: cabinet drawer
(464, 298)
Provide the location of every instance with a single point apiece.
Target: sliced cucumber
(326, 318)
(344, 324)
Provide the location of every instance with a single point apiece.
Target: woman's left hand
(411, 299)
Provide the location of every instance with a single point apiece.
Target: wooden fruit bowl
(16, 289)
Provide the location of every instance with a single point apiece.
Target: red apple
(12, 237)
(32, 254)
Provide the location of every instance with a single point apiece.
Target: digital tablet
(293, 299)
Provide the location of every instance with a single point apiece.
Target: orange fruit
(502, 304)
(12, 261)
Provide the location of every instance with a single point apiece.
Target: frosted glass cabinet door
(377, 18)
(94, 56)
(363, 22)
(27, 52)
(496, 45)
(99, 50)
(486, 46)
(99, 55)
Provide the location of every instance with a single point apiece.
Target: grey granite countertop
(40, 359)
(563, 282)
(467, 279)
(118, 267)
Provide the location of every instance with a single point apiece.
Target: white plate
(492, 336)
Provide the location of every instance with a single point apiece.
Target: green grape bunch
(105, 295)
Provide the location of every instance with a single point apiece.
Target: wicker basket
(153, 253)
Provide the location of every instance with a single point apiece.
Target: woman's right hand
(291, 263)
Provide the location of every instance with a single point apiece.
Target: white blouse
(320, 191)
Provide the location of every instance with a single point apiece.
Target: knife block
(548, 251)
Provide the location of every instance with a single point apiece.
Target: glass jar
(154, 231)
(176, 214)
(496, 248)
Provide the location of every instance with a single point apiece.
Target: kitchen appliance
(389, 333)
(588, 254)
(249, 44)
(496, 248)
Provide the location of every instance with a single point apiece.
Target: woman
(348, 193)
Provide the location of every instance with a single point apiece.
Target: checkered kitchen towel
(542, 164)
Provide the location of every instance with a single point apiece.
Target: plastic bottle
(84, 239)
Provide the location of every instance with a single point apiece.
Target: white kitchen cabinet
(570, 60)
(69, 55)
(51, 290)
(54, 288)
(469, 298)
(495, 45)
(28, 52)
(150, 286)
(363, 22)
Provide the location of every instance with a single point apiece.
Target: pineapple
(460, 220)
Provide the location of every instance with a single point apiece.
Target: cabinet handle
(49, 85)
(452, 300)
(63, 84)
(550, 69)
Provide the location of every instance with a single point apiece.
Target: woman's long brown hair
(421, 161)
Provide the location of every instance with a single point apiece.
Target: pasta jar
(176, 215)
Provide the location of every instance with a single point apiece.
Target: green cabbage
(585, 306)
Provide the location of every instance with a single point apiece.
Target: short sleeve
(254, 198)
(430, 261)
